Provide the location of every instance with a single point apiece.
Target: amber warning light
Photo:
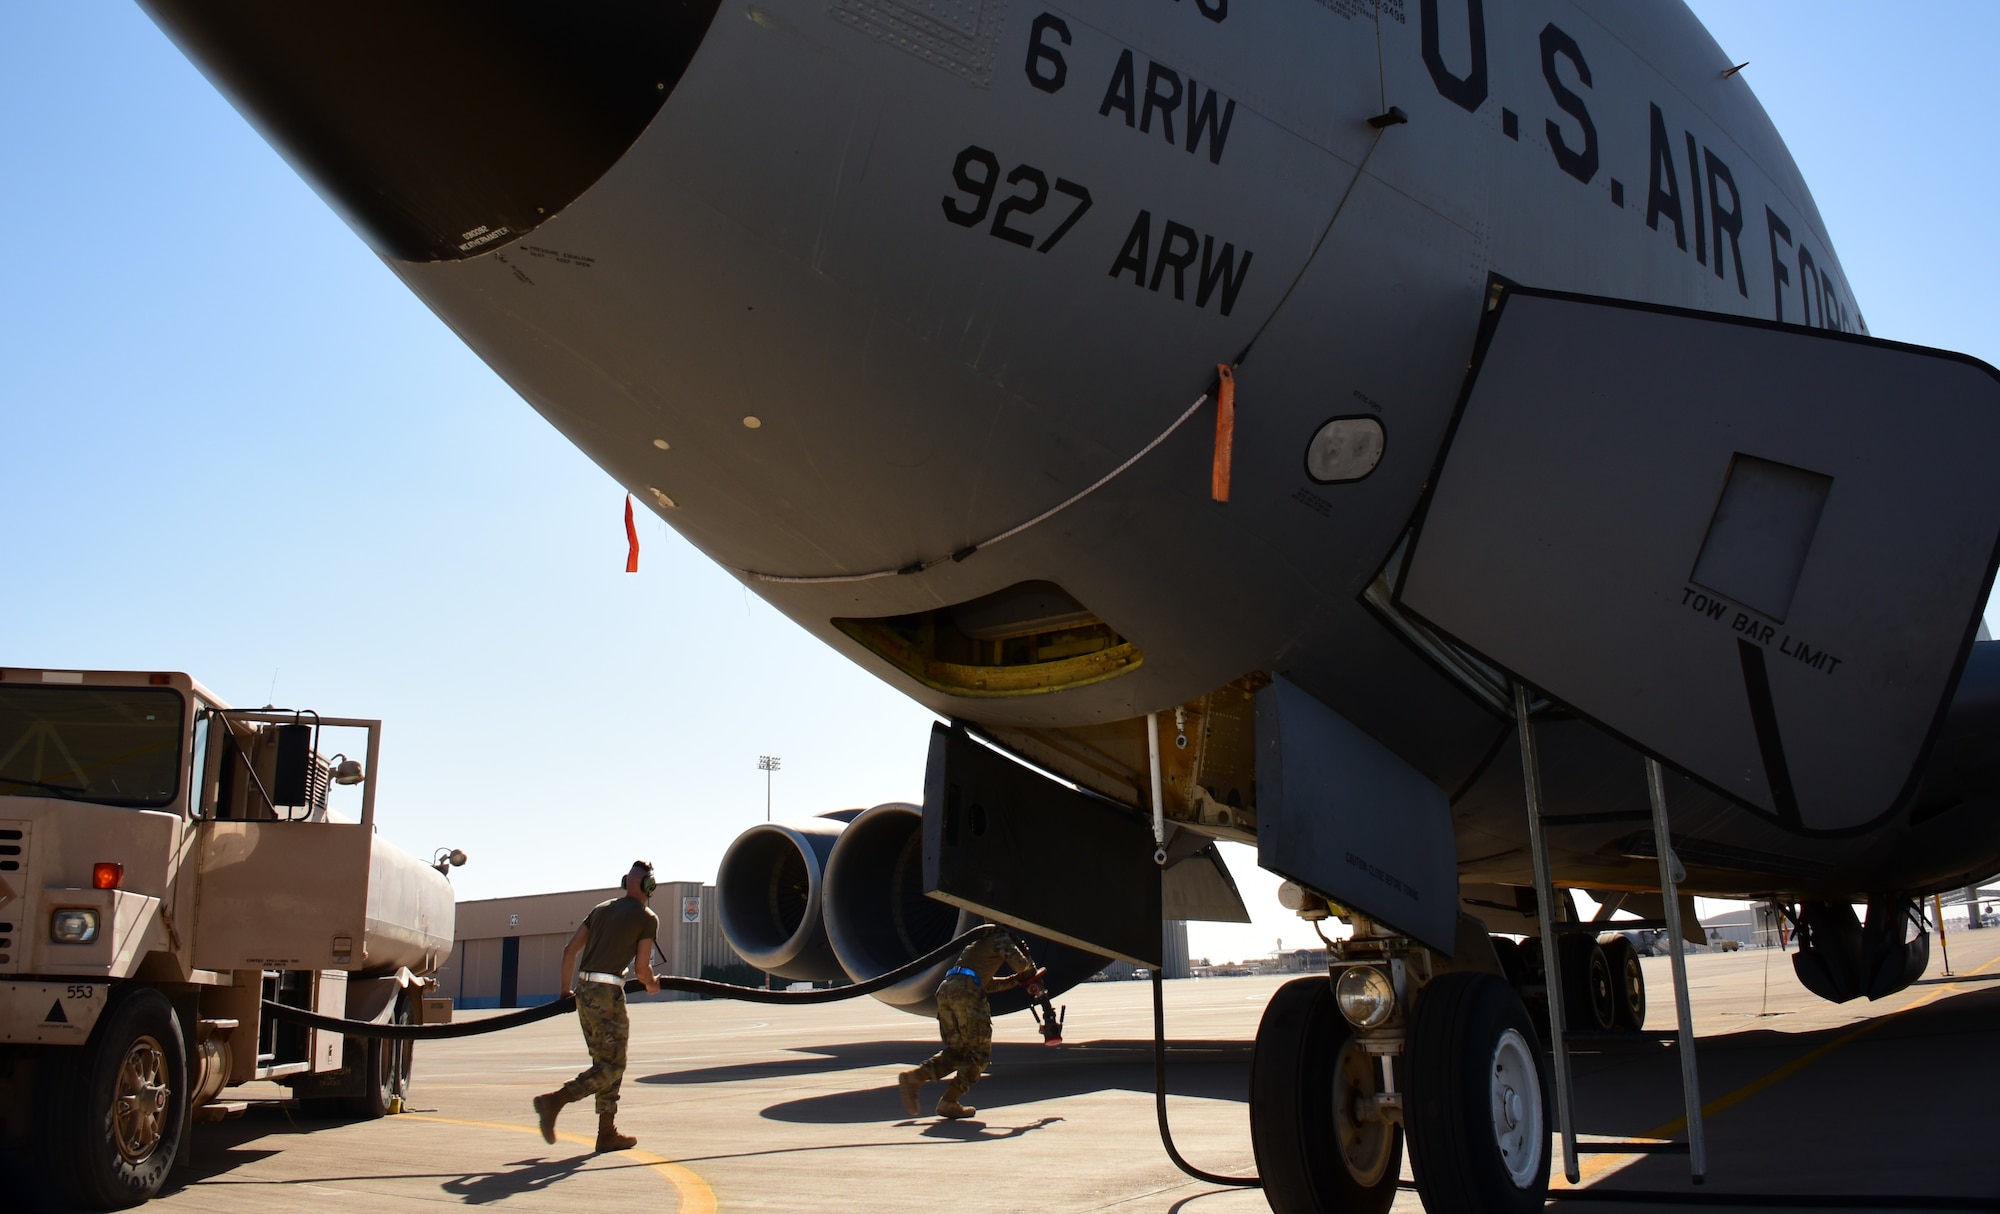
(107, 876)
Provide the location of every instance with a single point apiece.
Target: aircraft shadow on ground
(1630, 1094)
(935, 1134)
(1019, 1074)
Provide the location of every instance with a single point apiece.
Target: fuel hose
(750, 994)
(697, 986)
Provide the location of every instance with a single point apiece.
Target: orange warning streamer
(1225, 430)
(631, 539)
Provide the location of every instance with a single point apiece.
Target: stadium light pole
(767, 764)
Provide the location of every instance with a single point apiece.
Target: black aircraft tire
(1590, 1003)
(1477, 1115)
(1508, 952)
(1628, 985)
(111, 1114)
(1297, 1127)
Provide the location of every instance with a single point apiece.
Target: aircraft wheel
(1508, 953)
(1477, 1112)
(1308, 1080)
(1590, 1003)
(113, 1112)
(1628, 985)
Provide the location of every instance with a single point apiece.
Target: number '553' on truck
(167, 864)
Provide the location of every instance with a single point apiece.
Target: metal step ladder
(1545, 900)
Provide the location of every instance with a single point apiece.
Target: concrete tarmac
(745, 1108)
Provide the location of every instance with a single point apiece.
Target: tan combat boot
(608, 1137)
(908, 1085)
(948, 1105)
(547, 1106)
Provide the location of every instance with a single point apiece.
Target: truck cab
(168, 864)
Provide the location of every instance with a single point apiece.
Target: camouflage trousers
(965, 1022)
(600, 1012)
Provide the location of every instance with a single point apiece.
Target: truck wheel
(385, 1077)
(114, 1111)
(1479, 1137)
(1306, 1078)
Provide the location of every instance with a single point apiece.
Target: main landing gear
(1603, 987)
(1390, 1050)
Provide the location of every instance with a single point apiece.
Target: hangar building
(507, 950)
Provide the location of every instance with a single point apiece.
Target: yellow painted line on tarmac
(695, 1195)
(1598, 1165)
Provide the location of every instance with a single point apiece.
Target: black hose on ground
(697, 986)
(1160, 1100)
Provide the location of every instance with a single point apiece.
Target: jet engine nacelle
(878, 916)
(842, 895)
(770, 887)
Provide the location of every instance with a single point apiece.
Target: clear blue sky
(236, 446)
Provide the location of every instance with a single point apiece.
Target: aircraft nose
(440, 129)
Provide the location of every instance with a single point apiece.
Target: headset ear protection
(646, 883)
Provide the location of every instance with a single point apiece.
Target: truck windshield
(108, 745)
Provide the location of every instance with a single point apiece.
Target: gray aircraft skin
(860, 284)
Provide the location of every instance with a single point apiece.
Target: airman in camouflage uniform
(600, 1013)
(615, 933)
(965, 1020)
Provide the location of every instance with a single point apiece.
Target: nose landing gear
(1329, 1119)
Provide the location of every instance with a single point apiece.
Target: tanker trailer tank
(411, 913)
(878, 916)
(770, 888)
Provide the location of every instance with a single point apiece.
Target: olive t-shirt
(616, 927)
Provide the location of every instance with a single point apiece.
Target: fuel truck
(167, 864)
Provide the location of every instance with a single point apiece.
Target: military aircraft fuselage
(871, 284)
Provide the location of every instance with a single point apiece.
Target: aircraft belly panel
(1686, 528)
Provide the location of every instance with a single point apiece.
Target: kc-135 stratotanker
(1378, 430)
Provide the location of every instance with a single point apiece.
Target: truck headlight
(74, 926)
(1365, 995)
